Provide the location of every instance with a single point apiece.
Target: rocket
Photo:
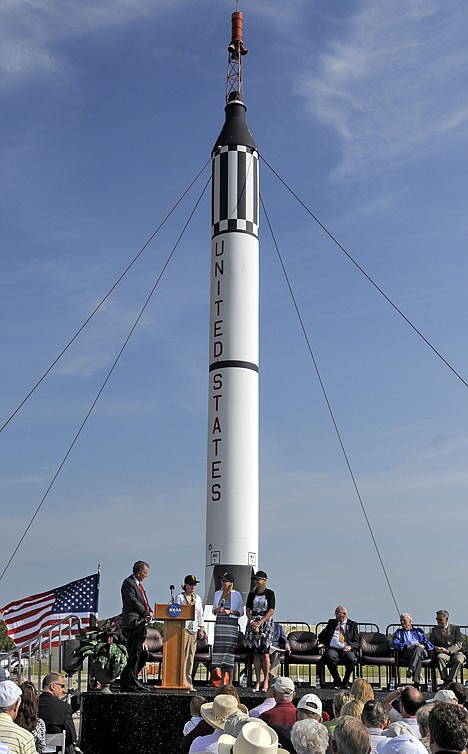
(232, 469)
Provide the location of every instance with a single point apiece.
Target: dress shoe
(345, 685)
(409, 673)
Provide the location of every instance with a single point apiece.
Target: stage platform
(152, 723)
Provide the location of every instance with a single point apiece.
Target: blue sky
(109, 111)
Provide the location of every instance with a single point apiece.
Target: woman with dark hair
(27, 715)
(259, 608)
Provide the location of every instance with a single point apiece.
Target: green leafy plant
(104, 644)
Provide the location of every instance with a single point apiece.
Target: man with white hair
(309, 737)
(18, 740)
(412, 647)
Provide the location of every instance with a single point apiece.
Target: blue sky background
(109, 110)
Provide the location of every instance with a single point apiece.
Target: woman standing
(260, 607)
(228, 607)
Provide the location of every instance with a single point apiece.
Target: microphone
(172, 587)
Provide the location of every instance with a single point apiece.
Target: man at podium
(136, 613)
(193, 628)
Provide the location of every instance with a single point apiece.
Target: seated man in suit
(56, 713)
(340, 637)
(412, 646)
(449, 658)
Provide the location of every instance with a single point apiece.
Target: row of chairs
(375, 651)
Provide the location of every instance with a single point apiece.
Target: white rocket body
(232, 484)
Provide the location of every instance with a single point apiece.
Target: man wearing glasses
(56, 713)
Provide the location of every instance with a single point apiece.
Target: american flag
(27, 618)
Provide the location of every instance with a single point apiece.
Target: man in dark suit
(56, 713)
(340, 637)
(447, 641)
(136, 613)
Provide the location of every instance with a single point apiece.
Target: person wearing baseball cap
(194, 629)
(284, 712)
(17, 739)
(309, 707)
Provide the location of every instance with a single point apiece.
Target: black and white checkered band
(235, 201)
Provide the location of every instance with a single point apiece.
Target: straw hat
(217, 712)
(253, 738)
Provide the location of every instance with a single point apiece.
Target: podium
(173, 617)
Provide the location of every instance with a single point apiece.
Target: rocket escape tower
(232, 459)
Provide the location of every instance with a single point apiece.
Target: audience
(56, 713)
(352, 709)
(284, 711)
(362, 690)
(204, 728)
(254, 737)
(460, 692)
(448, 728)
(422, 717)
(340, 698)
(350, 737)
(309, 737)
(409, 701)
(27, 716)
(215, 713)
(375, 718)
(19, 740)
(195, 717)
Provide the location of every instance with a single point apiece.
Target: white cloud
(30, 30)
(392, 84)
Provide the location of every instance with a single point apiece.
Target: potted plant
(104, 644)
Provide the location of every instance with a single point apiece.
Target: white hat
(404, 744)
(310, 703)
(397, 729)
(444, 695)
(252, 739)
(217, 712)
(9, 693)
(283, 685)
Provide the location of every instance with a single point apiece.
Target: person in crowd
(350, 737)
(56, 713)
(252, 738)
(279, 646)
(204, 728)
(448, 728)
(309, 707)
(309, 737)
(412, 646)
(352, 709)
(228, 607)
(404, 743)
(460, 692)
(27, 716)
(195, 717)
(18, 740)
(340, 698)
(362, 690)
(194, 629)
(284, 712)
(340, 637)
(422, 718)
(215, 713)
(447, 641)
(136, 614)
(409, 700)
(375, 717)
(259, 608)
(268, 703)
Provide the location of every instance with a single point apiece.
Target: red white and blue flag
(27, 618)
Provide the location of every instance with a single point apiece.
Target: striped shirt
(20, 741)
